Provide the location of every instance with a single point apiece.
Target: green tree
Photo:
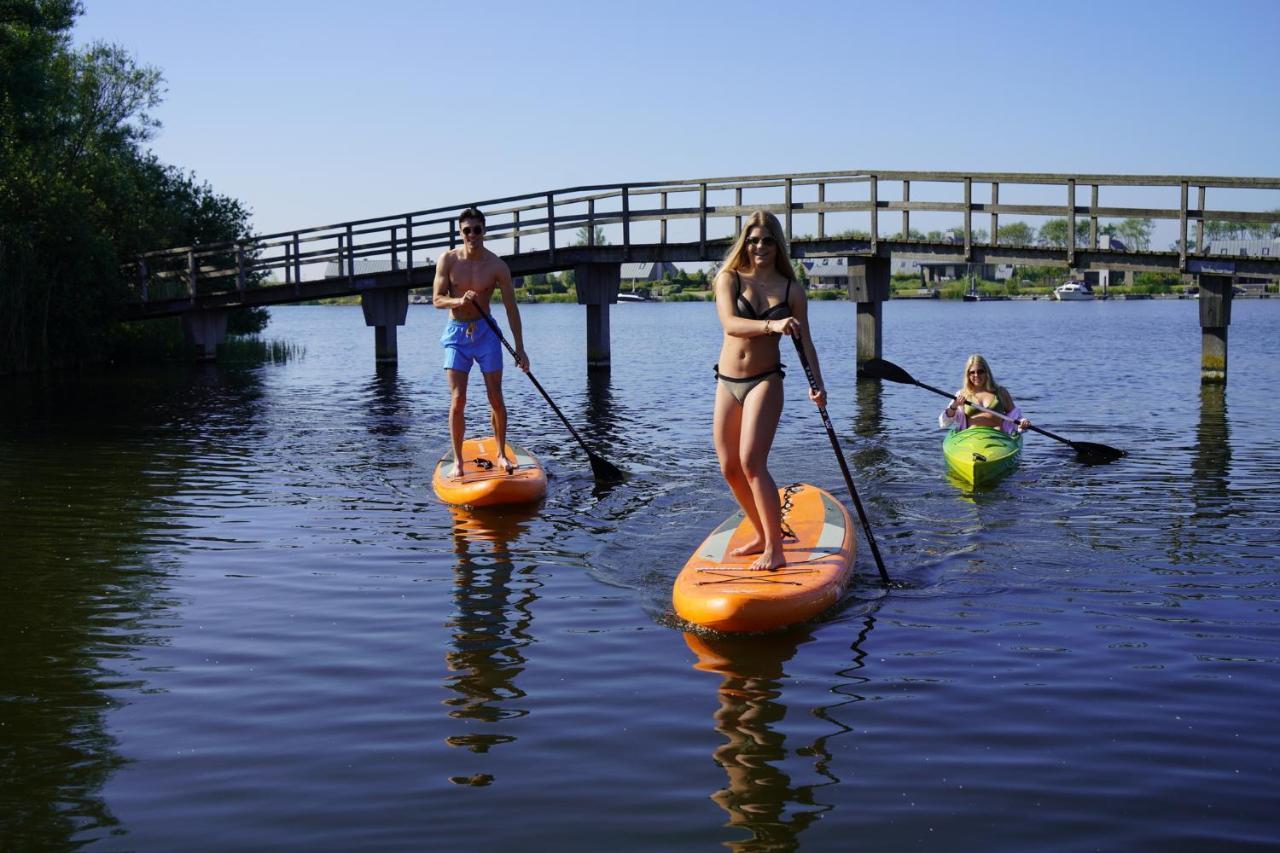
(79, 194)
(1265, 230)
(1217, 229)
(583, 237)
(1136, 233)
(802, 275)
(1054, 233)
(1017, 234)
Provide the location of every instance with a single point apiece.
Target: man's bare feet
(769, 560)
(755, 546)
(505, 464)
(456, 471)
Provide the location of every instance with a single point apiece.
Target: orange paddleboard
(483, 483)
(718, 591)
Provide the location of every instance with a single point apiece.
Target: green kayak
(979, 455)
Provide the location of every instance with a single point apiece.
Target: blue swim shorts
(468, 341)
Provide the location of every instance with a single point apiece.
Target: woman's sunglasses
(755, 241)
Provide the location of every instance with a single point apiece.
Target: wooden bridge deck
(848, 213)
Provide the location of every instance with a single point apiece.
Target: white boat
(631, 297)
(1072, 291)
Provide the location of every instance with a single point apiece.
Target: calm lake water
(235, 617)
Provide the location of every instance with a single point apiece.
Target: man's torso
(482, 274)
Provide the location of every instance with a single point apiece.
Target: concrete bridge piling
(385, 310)
(205, 330)
(597, 286)
(1215, 316)
(869, 288)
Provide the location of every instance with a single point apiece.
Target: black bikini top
(743, 307)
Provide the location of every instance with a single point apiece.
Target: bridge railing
(706, 212)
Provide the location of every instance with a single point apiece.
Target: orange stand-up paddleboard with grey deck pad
(717, 590)
(483, 482)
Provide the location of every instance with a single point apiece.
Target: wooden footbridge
(863, 216)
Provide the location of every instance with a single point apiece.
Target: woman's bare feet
(755, 546)
(455, 473)
(505, 464)
(769, 559)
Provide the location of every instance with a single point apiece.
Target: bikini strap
(739, 302)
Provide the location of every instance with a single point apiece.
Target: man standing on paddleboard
(466, 278)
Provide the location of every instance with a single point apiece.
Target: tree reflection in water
(490, 629)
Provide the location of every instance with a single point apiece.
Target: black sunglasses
(472, 229)
(768, 241)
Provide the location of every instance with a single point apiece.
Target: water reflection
(1211, 461)
(490, 629)
(972, 492)
(869, 421)
(759, 794)
(387, 410)
(600, 404)
(760, 797)
(91, 479)
(605, 431)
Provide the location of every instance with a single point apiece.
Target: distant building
(826, 273)
(1108, 278)
(833, 273)
(1247, 249)
(635, 273)
(948, 269)
(1244, 248)
(360, 266)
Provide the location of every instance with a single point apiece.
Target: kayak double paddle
(1089, 452)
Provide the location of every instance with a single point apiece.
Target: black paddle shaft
(844, 466)
(601, 468)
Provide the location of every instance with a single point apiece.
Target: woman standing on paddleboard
(758, 300)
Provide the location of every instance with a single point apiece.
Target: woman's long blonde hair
(991, 386)
(737, 259)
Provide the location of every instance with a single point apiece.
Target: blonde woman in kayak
(981, 387)
(758, 301)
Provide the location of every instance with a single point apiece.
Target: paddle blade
(878, 368)
(604, 471)
(1096, 454)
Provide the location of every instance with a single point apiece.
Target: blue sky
(316, 112)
